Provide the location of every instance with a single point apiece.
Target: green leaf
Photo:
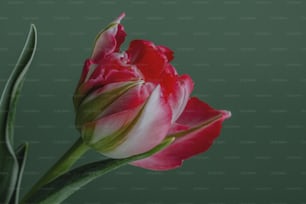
(8, 173)
(21, 154)
(65, 185)
(8, 161)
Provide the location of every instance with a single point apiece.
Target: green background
(246, 56)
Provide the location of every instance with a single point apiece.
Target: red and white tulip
(128, 102)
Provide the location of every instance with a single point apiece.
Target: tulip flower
(128, 102)
(131, 106)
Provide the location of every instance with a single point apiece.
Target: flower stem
(60, 167)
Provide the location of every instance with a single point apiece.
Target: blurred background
(246, 56)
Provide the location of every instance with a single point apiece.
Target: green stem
(60, 167)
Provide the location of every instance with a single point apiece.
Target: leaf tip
(33, 27)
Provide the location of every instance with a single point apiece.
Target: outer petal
(109, 126)
(120, 137)
(88, 67)
(150, 129)
(109, 40)
(131, 99)
(198, 126)
(106, 100)
(111, 99)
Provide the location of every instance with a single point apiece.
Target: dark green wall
(247, 56)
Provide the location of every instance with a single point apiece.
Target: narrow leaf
(67, 184)
(21, 154)
(8, 173)
(8, 161)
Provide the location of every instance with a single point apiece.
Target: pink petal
(108, 126)
(88, 67)
(116, 69)
(112, 98)
(79, 93)
(166, 51)
(150, 129)
(109, 40)
(148, 59)
(179, 95)
(199, 125)
(131, 99)
(137, 130)
(112, 70)
(197, 112)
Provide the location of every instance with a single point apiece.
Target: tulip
(128, 102)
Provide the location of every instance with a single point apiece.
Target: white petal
(150, 129)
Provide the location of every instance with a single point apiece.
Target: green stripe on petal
(132, 131)
(94, 105)
(111, 142)
(202, 125)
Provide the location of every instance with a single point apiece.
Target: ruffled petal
(167, 52)
(114, 69)
(196, 130)
(109, 40)
(148, 59)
